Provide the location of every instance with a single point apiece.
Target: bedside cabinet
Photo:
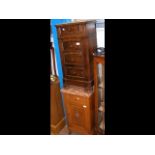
(79, 107)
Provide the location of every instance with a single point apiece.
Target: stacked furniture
(77, 41)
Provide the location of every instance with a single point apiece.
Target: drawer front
(75, 59)
(67, 30)
(76, 99)
(75, 72)
(72, 45)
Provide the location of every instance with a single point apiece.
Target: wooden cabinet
(99, 87)
(77, 41)
(79, 107)
(57, 119)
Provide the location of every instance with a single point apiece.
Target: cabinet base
(55, 129)
(72, 130)
(88, 85)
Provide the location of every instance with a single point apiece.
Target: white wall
(100, 37)
(52, 67)
(100, 29)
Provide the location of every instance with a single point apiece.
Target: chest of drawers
(77, 41)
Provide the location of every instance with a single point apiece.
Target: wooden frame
(97, 60)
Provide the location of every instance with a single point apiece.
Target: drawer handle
(84, 106)
(77, 98)
(77, 43)
(63, 29)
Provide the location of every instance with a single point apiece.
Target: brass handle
(84, 106)
(77, 43)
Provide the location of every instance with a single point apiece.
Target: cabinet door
(78, 115)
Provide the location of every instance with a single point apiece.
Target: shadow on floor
(64, 131)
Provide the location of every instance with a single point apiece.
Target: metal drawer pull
(77, 98)
(84, 106)
(77, 43)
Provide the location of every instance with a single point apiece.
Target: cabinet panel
(75, 72)
(65, 30)
(73, 59)
(72, 45)
(77, 115)
(79, 100)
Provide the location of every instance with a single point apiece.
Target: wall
(100, 29)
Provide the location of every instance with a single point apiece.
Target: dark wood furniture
(57, 119)
(77, 40)
(99, 89)
(79, 106)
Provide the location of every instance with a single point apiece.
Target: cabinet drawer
(74, 71)
(72, 45)
(67, 30)
(76, 99)
(75, 59)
